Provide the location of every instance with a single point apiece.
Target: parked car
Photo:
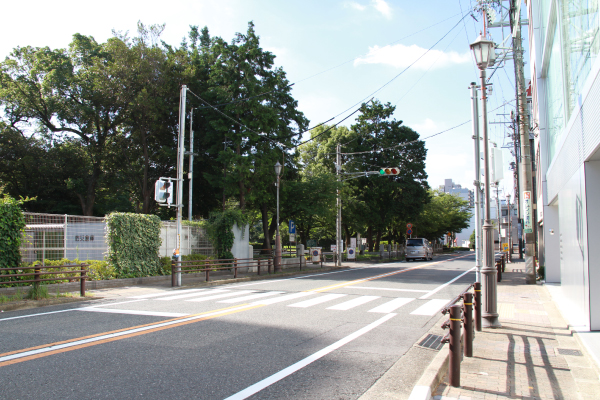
(418, 248)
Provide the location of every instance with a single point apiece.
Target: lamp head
(484, 52)
(278, 168)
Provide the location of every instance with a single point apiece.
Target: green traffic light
(382, 172)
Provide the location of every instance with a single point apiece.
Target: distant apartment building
(462, 238)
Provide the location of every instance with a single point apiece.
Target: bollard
(499, 269)
(504, 262)
(455, 353)
(477, 290)
(82, 280)
(468, 323)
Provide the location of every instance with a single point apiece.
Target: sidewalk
(534, 355)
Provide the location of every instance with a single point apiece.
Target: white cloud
(356, 6)
(401, 56)
(426, 127)
(383, 8)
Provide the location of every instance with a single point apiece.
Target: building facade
(462, 237)
(564, 44)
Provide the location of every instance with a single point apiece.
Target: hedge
(12, 224)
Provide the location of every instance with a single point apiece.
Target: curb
(432, 377)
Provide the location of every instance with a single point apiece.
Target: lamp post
(483, 50)
(509, 232)
(278, 168)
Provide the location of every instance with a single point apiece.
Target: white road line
(431, 307)
(392, 306)
(437, 289)
(382, 288)
(292, 296)
(201, 292)
(250, 297)
(35, 315)
(353, 303)
(132, 312)
(257, 387)
(222, 295)
(164, 293)
(317, 300)
(114, 304)
(117, 334)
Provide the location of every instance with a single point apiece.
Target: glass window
(414, 242)
(555, 96)
(580, 39)
(505, 213)
(544, 11)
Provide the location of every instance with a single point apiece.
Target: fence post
(235, 268)
(270, 262)
(82, 280)
(173, 276)
(207, 274)
(455, 353)
(36, 277)
(468, 323)
(258, 267)
(477, 290)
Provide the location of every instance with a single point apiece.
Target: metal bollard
(499, 269)
(477, 290)
(455, 353)
(468, 323)
(504, 262)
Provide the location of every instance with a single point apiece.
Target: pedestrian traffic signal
(163, 192)
(389, 171)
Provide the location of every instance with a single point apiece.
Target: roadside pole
(180, 157)
(338, 225)
(476, 183)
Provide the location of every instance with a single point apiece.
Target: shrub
(12, 224)
(133, 244)
(219, 230)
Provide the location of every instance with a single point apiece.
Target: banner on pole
(527, 212)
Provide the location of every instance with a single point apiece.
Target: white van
(418, 248)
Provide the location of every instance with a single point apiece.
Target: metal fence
(54, 237)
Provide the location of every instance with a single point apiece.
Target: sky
(338, 53)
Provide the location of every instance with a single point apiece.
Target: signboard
(334, 248)
(292, 226)
(351, 253)
(527, 212)
(505, 247)
(353, 242)
(292, 237)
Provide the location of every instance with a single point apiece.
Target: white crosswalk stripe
(196, 294)
(391, 305)
(317, 300)
(430, 308)
(347, 305)
(292, 296)
(249, 297)
(222, 295)
(164, 293)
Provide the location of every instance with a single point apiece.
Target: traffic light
(389, 171)
(163, 192)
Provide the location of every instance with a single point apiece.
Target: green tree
(444, 213)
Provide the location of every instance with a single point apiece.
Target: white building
(564, 44)
(462, 237)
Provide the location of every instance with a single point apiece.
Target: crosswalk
(329, 301)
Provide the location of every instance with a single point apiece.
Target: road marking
(353, 303)
(106, 337)
(257, 387)
(292, 296)
(382, 288)
(437, 289)
(198, 293)
(431, 307)
(133, 312)
(392, 305)
(318, 300)
(38, 314)
(250, 297)
(354, 282)
(164, 293)
(222, 295)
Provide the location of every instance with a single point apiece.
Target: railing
(462, 315)
(180, 268)
(40, 271)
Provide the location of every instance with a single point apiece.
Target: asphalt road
(321, 336)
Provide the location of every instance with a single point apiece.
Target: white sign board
(333, 248)
(292, 237)
(351, 253)
(527, 212)
(353, 242)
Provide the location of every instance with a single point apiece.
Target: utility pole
(517, 184)
(476, 183)
(338, 225)
(523, 119)
(191, 166)
(180, 155)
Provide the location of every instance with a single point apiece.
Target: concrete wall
(592, 180)
(241, 242)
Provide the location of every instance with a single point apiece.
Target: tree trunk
(347, 238)
(370, 238)
(265, 224)
(377, 245)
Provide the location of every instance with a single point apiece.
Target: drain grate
(569, 352)
(432, 342)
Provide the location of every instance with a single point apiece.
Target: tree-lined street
(323, 335)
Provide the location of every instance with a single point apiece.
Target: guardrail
(462, 315)
(180, 268)
(40, 271)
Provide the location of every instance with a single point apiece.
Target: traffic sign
(408, 226)
(293, 237)
(409, 231)
(292, 226)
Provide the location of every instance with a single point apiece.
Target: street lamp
(484, 52)
(278, 168)
(509, 233)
